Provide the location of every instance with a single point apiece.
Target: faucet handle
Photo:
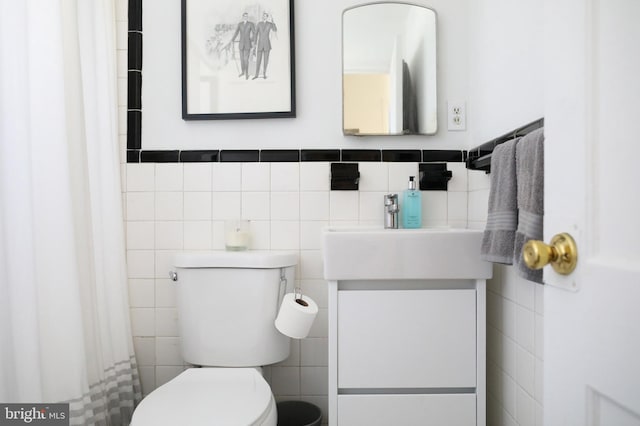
(390, 199)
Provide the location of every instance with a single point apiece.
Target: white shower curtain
(64, 323)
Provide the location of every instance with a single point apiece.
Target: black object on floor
(298, 413)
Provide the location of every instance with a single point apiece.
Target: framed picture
(237, 59)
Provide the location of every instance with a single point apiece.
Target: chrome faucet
(391, 210)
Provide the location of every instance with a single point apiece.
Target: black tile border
(135, 15)
(134, 129)
(402, 155)
(280, 155)
(135, 51)
(133, 156)
(134, 80)
(199, 156)
(361, 155)
(134, 90)
(239, 156)
(136, 155)
(449, 156)
(160, 156)
(331, 155)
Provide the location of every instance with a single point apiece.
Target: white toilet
(227, 303)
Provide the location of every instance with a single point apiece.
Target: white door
(592, 191)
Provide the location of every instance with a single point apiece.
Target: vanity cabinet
(397, 339)
(418, 410)
(407, 326)
(407, 353)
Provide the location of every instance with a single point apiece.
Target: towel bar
(479, 158)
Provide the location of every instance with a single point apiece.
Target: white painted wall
(318, 59)
(506, 66)
(506, 81)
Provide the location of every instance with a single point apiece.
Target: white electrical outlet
(456, 116)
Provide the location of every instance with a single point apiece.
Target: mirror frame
(436, 56)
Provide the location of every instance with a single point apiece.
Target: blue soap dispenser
(411, 208)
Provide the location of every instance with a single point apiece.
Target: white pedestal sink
(407, 326)
(425, 253)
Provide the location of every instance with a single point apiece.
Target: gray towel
(530, 177)
(499, 234)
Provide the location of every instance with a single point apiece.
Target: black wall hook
(344, 176)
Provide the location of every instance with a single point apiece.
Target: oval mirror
(389, 70)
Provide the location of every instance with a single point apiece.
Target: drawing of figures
(263, 42)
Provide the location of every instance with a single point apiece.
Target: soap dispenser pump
(411, 208)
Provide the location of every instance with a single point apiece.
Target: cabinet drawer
(407, 339)
(407, 410)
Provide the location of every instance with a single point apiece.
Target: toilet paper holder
(283, 288)
(297, 291)
(297, 295)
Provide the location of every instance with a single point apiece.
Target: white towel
(502, 219)
(530, 178)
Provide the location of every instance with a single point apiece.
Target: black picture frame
(220, 75)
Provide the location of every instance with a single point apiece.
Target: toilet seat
(209, 396)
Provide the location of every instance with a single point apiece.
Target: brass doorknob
(562, 253)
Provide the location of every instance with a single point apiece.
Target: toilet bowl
(210, 396)
(227, 303)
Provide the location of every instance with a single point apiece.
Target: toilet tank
(227, 303)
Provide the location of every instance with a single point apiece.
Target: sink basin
(357, 253)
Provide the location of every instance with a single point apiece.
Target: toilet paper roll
(296, 316)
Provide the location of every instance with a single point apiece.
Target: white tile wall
(226, 177)
(285, 177)
(226, 205)
(370, 207)
(285, 381)
(140, 263)
(140, 177)
(255, 205)
(169, 205)
(399, 175)
(174, 207)
(514, 351)
(285, 206)
(343, 206)
(141, 293)
(514, 332)
(478, 199)
(285, 235)
(197, 177)
(198, 235)
(169, 177)
(164, 373)
(435, 208)
(140, 235)
(314, 205)
(313, 381)
(374, 177)
(315, 176)
(140, 206)
(197, 205)
(256, 176)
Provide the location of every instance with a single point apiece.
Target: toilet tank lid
(259, 259)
